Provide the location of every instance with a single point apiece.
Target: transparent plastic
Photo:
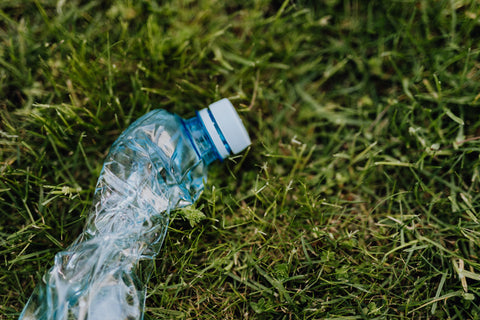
(158, 164)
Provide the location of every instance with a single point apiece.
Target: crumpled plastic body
(150, 170)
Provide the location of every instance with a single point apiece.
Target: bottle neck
(200, 140)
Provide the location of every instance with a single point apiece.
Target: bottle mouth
(225, 128)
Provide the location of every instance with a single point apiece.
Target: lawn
(358, 198)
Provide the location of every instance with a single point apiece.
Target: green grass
(357, 200)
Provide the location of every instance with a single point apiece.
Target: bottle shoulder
(155, 155)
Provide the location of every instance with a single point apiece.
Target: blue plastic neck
(200, 140)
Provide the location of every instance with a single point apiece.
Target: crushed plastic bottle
(157, 165)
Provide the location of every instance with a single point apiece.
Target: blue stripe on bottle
(222, 137)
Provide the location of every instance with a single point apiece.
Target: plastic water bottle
(157, 165)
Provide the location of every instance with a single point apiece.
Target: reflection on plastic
(158, 164)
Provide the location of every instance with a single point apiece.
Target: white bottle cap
(225, 128)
